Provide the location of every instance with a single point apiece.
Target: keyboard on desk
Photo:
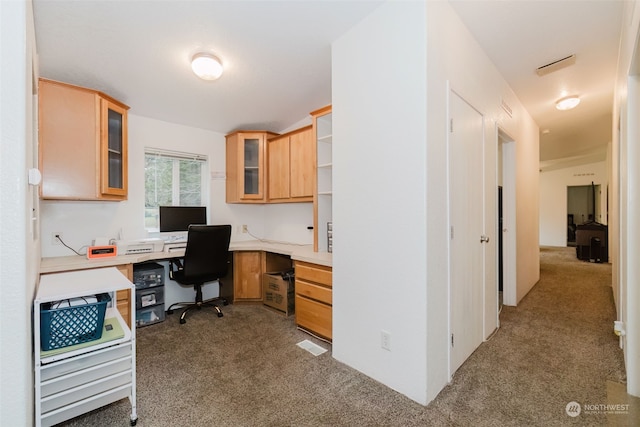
(174, 247)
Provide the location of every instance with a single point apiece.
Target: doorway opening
(506, 222)
(583, 206)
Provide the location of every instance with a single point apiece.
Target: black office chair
(205, 260)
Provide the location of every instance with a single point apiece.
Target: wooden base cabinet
(247, 276)
(314, 311)
(248, 270)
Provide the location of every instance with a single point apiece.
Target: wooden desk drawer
(314, 316)
(313, 273)
(309, 290)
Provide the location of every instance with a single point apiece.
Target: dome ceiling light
(206, 66)
(568, 102)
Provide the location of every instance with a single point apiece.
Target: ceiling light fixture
(568, 102)
(206, 66)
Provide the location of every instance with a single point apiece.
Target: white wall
(81, 222)
(455, 59)
(390, 192)
(19, 245)
(379, 196)
(624, 190)
(553, 199)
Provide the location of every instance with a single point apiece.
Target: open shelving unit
(323, 197)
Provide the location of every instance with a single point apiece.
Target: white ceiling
(519, 36)
(277, 58)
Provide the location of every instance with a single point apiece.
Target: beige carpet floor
(557, 346)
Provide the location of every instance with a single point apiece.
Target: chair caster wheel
(183, 321)
(169, 311)
(220, 314)
(133, 422)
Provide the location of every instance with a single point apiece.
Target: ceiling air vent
(556, 65)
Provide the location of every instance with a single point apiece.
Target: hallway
(556, 347)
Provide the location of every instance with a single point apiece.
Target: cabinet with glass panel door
(113, 149)
(83, 143)
(245, 152)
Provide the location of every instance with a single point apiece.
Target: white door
(466, 204)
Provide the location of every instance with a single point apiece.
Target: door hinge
(451, 232)
(451, 126)
(451, 340)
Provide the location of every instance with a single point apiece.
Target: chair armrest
(178, 266)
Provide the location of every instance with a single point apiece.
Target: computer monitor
(178, 218)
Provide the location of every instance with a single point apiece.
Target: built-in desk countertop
(75, 262)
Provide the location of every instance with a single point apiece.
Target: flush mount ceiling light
(206, 66)
(568, 102)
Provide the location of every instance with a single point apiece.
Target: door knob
(484, 239)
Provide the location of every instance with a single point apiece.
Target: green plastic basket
(65, 326)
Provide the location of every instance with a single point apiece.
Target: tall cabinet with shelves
(323, 194)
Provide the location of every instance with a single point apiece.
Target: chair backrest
(207, 253)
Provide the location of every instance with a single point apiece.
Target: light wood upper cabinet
(113, 149)
(82, 143)
(302, 164)
(291, 172)
(245, 162)
(278, 166)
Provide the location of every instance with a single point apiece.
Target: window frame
(177, 156)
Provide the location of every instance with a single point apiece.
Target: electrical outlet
(54, 238)
(244, 228)
(385, 340)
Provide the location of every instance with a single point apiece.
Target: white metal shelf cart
(78, 379)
